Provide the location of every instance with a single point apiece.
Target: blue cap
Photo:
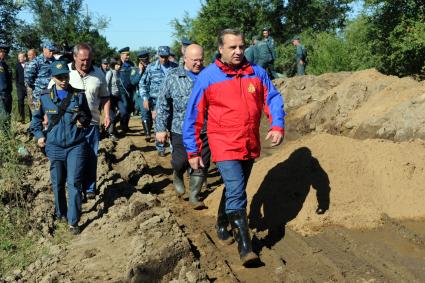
(144, 54)
(186, 41)
(164, 51)
(124, 50)
(59, 68)
(49, 45)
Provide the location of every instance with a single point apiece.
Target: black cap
(124, 50)
(5, 47)
(266, 29)
(144, 54)
(186, 41)
(104, 61)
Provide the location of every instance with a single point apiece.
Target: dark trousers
(67, 165)
(179, 159)
(124, 106)
(5, 110)
(22, 93)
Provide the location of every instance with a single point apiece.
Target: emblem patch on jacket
(251, 88)
(1, 69)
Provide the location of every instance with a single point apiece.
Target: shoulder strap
(62, 109)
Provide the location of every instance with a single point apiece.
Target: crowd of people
(207, 114)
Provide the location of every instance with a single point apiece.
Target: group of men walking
(206, 113)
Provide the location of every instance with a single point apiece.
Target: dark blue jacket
(65, 133)
(5, 79)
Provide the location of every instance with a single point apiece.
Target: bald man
(172, 103)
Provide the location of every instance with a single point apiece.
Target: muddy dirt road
(137, 230)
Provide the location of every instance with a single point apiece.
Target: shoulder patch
(133, 72)
(37, 104)
(1, 69)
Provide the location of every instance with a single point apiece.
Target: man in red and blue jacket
(229, 96)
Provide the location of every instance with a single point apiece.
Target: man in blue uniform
(151, 83)
(38, 73)
(129, 88)
(5, 89)
(64, 141)
(135, 76)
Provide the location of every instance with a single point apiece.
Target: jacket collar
(245, 69)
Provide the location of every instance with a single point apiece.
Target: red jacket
(231, 101)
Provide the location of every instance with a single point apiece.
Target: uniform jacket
(172, 100)
(234, 100)
(125, 75)
(38, 74)
(300, 53)
(152, 79)
(19, 76)
(65, 133)
(5, 79)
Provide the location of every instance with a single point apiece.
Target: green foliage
(397, 31)
(9, 21)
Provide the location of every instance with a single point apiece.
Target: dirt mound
(361, 180)
(364, 104)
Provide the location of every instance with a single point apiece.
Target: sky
(137, 23)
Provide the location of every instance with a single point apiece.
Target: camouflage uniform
(38, 74)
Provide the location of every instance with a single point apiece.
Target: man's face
(47, 53)
(83, 60)
(265, 33)
(2, 54)
(194, 60)
(61, 80)
(163, 59)
(295, 42)
(125, 57)
(232, 51)
(31, 55)
(104, 66)
(21, 58)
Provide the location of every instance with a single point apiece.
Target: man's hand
(79, 125)
(276, 137)
(301, 61)
(153, 115)
(107, 121)
(141, 66)
(196, 162)
(146, 104)
(161, 137)
(41, 142)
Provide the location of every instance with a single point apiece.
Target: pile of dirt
(364, 104)
(360, 181)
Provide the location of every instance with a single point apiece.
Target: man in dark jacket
(20, 85)
(5, 89)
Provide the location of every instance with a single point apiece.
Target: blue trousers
(92, 137)
(67, 164)
(124, 106)
(235, 174)
(146, 114)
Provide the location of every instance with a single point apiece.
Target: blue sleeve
(30, 73)
(195, 118)
(144, 84)
(273, 103)
(163, 108)
(37, 119)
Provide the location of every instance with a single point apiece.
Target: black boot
(178, 183)
(223, 222)
(195, 185)
(239, 224)
(147, 129)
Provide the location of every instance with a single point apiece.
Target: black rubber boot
(147, 128)
(178, 183)
(223, 222)
(240, 229)
(195, 185)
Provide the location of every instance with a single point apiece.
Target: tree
(71, 24)
(398, 35)
(9, 10)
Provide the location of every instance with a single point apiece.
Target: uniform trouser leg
(76, 156)
(300, 69)
(92, 138)
(160, 147)
(5, 110)
(57, 159)
(235, 174)
(123, 107)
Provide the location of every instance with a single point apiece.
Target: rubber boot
(147, 129)
(195, 185)
(223, 222)
(239, 224)
(178, 183)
